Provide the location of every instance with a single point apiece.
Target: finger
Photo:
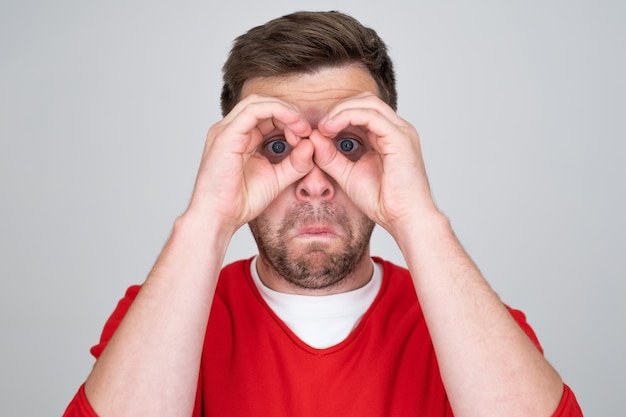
(364, 100)
(253, 100)
(298, 163)
(380, 130)
(272, 111)
(268, 117)
(295, 166)
(329, 159)
(256, 119)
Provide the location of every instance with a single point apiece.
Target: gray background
(103, 111)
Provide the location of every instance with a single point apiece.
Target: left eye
(347, 145)
(275, 150)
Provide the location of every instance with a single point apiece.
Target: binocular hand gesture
(388, 181)
(235, 181)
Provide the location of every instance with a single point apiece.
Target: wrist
(422, 229)
(203, 231)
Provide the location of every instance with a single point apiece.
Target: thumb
(329, 159)
(296, 165)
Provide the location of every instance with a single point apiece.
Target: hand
(235, 183)
(388, 182)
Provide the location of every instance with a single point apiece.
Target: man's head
(312, 238)
(305, 42)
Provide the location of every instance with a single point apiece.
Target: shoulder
(398, 273)
(236, 268)
(235, 281)
(397, 287)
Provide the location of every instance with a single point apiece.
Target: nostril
(315, 185)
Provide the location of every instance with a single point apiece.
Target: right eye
(277, 147)
(276, 150)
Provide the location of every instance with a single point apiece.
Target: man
(311, 154)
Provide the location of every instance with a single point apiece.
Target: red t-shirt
(258, 366)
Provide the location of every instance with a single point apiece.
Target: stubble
(318, 265)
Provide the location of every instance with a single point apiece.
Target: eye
(276, 150)
(350, 147)
(277, 146)
(347, 145)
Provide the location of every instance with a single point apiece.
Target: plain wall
(103, 111)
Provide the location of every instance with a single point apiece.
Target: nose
(315, 186)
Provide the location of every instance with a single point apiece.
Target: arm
(488, 365)
(151, 364)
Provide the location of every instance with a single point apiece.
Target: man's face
(312, 237)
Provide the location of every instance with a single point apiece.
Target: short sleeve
(79, 406)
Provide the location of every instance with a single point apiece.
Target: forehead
(314, 93)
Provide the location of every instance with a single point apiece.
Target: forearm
(488, 364)
(150, 366)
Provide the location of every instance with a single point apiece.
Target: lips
(319, 231)
(310, 221)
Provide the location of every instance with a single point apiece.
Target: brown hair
(304, 42)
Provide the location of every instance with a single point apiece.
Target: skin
(315, 241)
(150, 367)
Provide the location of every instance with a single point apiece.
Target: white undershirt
(321, 321)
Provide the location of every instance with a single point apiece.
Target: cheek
(350, 208)
(360, 222)
(275, 212)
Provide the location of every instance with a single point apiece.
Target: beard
(316, 265)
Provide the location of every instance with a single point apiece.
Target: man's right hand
(164, 328)
(235, 182)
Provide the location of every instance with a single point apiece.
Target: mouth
(307, 222)
(316, 232)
